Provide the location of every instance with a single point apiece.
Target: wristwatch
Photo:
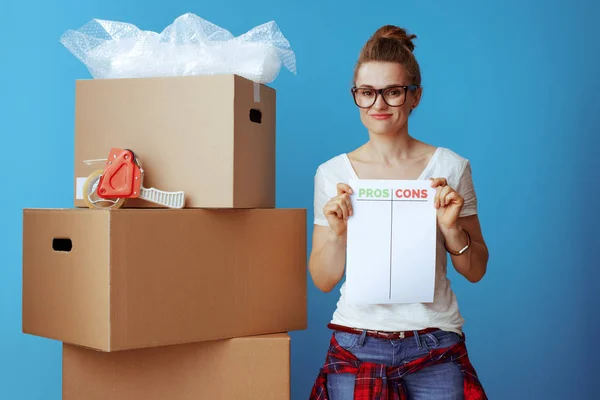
(461, 251)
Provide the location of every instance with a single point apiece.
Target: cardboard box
(135, 278)
(211, 136)
(247, 368)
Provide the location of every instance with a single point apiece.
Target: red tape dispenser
(121, 179)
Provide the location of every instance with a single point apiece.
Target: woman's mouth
(381, 116)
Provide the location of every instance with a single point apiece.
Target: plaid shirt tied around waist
(379, 382)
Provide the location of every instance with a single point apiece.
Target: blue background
(511, 85)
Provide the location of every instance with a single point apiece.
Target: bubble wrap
(189, 46)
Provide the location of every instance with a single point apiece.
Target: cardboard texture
(211, 136)
(133, 278)
(247, 368)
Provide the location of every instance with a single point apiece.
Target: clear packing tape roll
(189, 46)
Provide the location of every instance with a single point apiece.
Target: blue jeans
(438, 382)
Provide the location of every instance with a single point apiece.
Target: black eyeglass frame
(379, 92)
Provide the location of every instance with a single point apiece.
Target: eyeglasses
(393, 96)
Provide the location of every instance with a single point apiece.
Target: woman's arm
(327, 258)
(328, 254)
(472, 264)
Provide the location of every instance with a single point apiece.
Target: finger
(436, 182)
(436, 199)
(344, 188)
(453, 197)
(334, 209)
(342, 204)
(443, 193)
(346, 199)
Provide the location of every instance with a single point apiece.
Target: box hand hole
(62, 244)
(255, 116)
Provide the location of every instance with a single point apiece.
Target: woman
(416, 350)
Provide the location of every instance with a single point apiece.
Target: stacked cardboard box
(159, 303)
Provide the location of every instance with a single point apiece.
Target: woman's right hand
(339, 209)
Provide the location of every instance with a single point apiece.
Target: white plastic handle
(167, 199)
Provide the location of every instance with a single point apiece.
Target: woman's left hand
(448, 203)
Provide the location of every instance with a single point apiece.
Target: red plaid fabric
(378, 382)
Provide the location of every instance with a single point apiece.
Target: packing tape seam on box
(256, 92)
(79, 188)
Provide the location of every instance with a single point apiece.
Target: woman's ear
(417, 98)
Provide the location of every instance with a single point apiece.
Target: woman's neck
(390, 149)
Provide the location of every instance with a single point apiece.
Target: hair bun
(396, 33)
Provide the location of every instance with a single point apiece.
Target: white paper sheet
(391, 249)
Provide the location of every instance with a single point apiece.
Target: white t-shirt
(443, 313)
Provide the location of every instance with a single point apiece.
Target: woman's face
(380, 117)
